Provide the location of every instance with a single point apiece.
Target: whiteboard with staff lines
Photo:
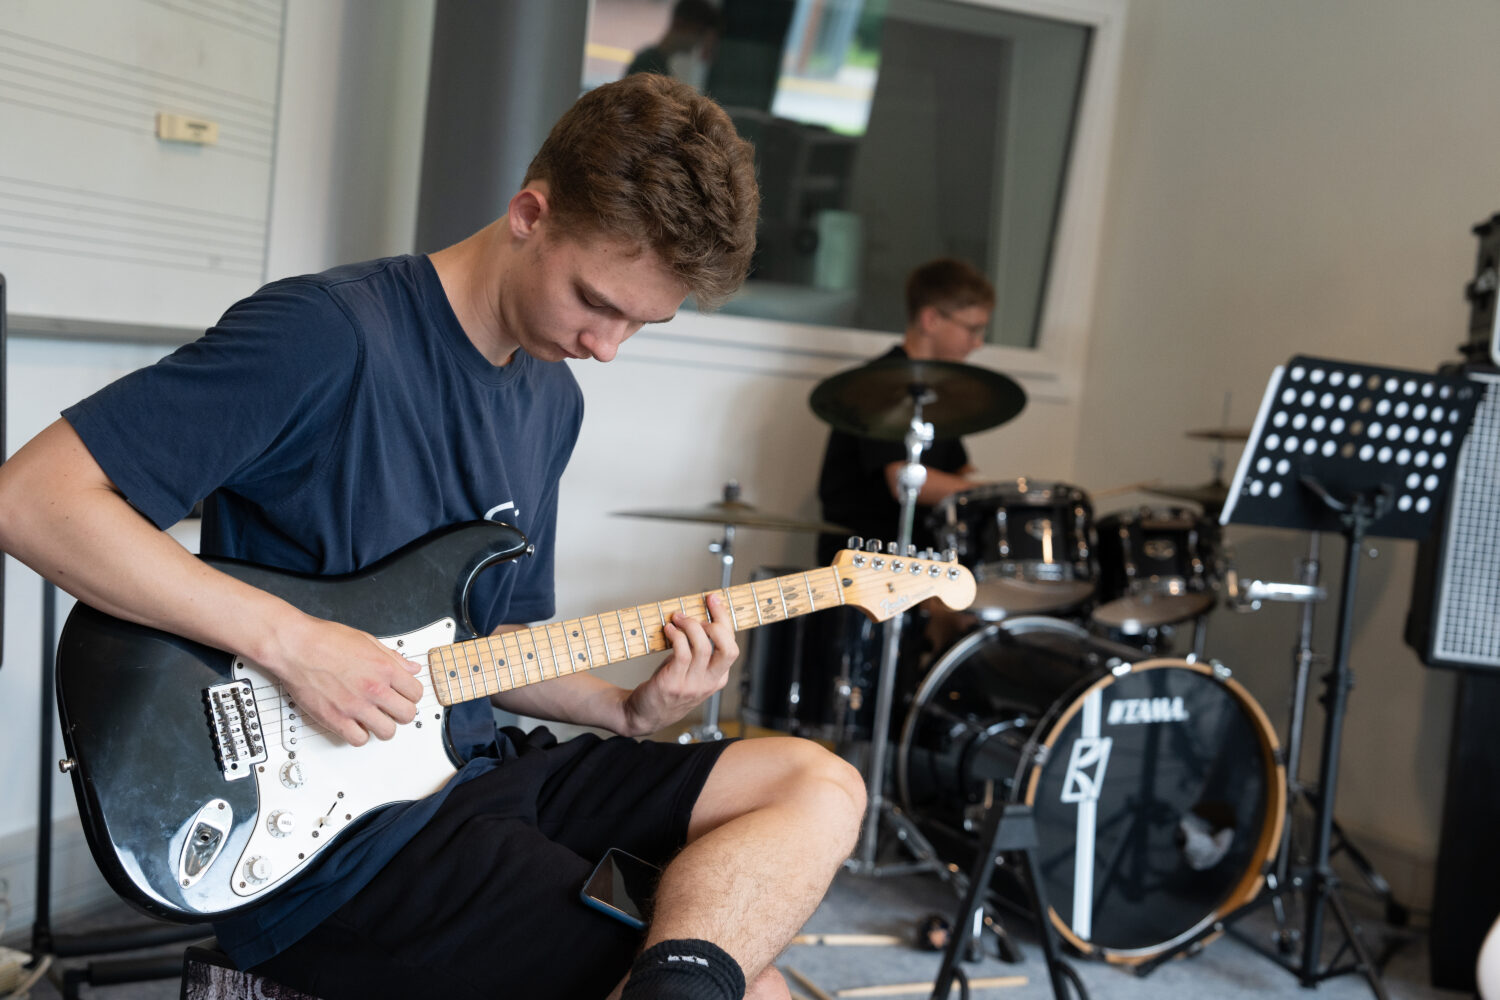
(102, 221)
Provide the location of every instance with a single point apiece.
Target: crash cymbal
(736, 513)
(1221, 434)
(875, 400)
(1212, 494)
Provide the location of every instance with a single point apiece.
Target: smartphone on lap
(622, 886)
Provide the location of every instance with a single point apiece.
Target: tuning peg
(873, 545)
(911, 551)
(950, 555)
(929, 555)
(855, 542)
(893, 548)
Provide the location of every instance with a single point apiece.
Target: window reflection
(887, 133)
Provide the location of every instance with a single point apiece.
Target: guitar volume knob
(281, 823)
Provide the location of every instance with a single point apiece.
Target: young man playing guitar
(329, 420)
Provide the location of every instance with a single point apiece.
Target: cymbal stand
(708, 730)
(879, 807)
(1303, 660)
(1308, 592)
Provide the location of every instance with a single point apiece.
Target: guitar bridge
(234, 724)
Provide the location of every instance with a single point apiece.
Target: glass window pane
(887, 133)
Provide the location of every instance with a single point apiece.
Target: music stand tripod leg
(1007, 827)
(1361, 511)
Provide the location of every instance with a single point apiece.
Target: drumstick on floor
(807, 984)
(923, 989)
(856, 940)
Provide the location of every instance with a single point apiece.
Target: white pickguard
(312, 785)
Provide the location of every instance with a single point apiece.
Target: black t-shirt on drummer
(853, 490)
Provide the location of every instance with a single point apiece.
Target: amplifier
(1454, 620)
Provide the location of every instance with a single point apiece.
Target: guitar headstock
(884, 584)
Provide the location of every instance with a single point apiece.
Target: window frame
(1056, 363)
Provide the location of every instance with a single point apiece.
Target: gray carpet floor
(861, 904)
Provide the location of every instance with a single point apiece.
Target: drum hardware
(1367, 451)
(731, 512)
(1248, 596)
(912, 401)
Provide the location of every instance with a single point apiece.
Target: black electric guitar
(204, 789)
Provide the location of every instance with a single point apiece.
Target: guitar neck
(478, 668)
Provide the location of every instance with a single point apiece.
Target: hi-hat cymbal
(736, 513)
(1212, 495)
(1221, 434)
(876, 400)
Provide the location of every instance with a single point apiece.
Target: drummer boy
(948, 308)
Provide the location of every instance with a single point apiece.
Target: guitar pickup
(234, 725)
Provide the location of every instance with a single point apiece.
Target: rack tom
(1155, 568)
(1027, 543)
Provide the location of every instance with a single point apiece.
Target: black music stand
(1364, 451)
(1007, 828)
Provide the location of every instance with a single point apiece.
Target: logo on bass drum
(1142, 711)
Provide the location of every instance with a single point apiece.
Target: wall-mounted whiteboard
(102, 222)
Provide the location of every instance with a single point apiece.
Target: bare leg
(773, 823)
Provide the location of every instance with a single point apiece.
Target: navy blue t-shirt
(328, 420)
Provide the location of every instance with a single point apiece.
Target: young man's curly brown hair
(650, 159)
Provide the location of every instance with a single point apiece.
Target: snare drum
(1155, 568)
(1026, 542)
(1155, 784)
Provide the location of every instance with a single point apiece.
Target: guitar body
(200, 787)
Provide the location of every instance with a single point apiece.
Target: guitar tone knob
(281, 823)
(257, 870)
(291, 774)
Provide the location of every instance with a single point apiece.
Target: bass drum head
(1156, 787)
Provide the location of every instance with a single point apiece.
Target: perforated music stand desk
(1361, 450)
(1331, 432)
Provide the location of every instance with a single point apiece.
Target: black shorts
(484, 901)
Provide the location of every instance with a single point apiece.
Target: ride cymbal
(1213, 494)
(1221, 434)
(877, 400)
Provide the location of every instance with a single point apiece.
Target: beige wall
(1287, 175)
(1296, 176)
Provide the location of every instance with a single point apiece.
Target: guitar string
(274, 695)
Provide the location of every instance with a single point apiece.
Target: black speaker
(1466, 888)
(1454, 620)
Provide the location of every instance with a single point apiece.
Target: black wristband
(685, 969)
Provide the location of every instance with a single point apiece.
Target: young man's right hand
(345, 679)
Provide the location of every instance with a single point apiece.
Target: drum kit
(1157, 784)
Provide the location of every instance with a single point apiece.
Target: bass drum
(1156, 785)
